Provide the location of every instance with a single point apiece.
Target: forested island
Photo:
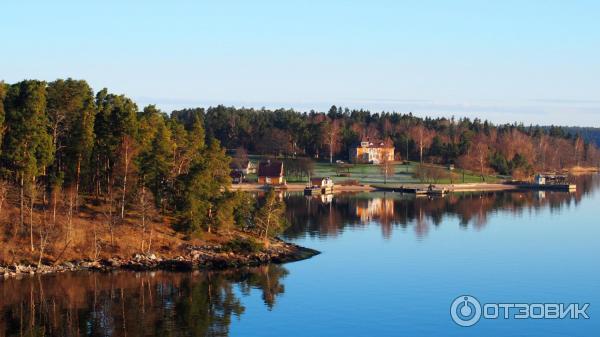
(91, 177)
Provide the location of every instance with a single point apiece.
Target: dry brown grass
(583, 169)
(15, 241)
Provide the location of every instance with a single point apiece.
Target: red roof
(270, 169)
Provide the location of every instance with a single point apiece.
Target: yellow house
(372, 151)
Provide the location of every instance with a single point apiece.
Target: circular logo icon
(465, 310)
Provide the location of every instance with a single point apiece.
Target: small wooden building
(321, 182)
(319, 186)
(237, 176)
(246, 166)
(270, 173)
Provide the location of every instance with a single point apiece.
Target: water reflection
(206, 303)
(319, 218)
(133, 304)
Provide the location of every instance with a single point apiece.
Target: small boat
(432, 190)
(550, 181)
(439, 191)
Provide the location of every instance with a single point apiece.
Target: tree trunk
(110, 212)
(143, 204)
(125, 181)
(31, 203)
(267, 225)
(209, 219)
(97, 178)
(77, 175)
(96, 253)
(331, 148)
(54, 202)
(70, 215)
(21, 202)
(150, 238)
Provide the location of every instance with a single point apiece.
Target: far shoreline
(299, 187)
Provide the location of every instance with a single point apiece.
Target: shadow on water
(321, 217)
(133, 304)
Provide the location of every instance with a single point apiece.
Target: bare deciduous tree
(146, 207)
(386, 166)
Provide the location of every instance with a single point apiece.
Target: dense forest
(69, 155)
(510, 149)
(588, 134)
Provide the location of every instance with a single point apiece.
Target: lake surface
(391, 265)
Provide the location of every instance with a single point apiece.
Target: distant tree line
(589, 134)
(508, 149)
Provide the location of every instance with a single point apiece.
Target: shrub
(243, 245)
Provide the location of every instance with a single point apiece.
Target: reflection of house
(378, 208)
(372, 151)
(326, 198)
(270, 173)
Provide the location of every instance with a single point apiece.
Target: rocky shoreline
(196, 258)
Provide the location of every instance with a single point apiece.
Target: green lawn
(403, 174)
(371, 174)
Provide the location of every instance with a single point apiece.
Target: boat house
(270, 173)
(321, 182)
(318, 186)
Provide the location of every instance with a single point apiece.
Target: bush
(243, 245)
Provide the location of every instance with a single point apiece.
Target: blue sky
(528, 61)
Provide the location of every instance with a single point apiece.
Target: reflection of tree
(133, 304)
(267, 280)
(391, 210)
(207, 307)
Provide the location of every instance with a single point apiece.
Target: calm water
(391, 266)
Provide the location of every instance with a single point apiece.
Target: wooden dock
(318, 190)
(549, 187)
(415, 190)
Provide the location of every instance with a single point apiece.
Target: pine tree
(116, 128)
(202, 189)
(155, 161)
(71, 112)
(27, 145)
